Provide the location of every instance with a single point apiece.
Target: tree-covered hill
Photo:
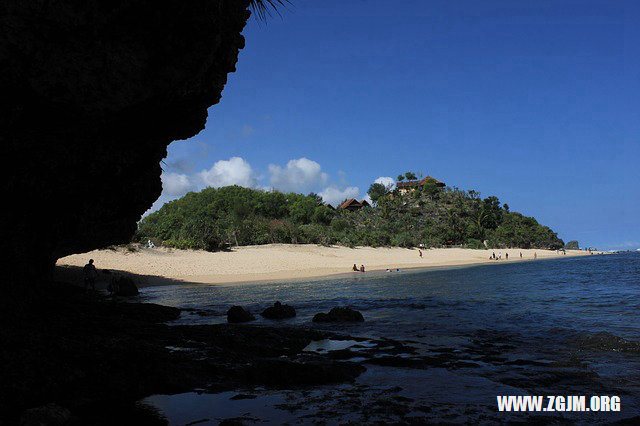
(213, 219)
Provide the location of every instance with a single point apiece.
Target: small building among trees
(412, 185)
(352, 204)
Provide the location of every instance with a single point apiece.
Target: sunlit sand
(284, 262)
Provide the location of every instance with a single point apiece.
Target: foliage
(572, 245)
(262, 8)
(214, 219)
(410, 176)
(376, 190)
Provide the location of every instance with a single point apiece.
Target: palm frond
(263, 8)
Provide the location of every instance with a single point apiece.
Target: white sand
(284, 261)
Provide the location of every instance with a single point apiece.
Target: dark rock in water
(92, 94)
(279, 311)
(339, 315)
(243, 396)
(239, 314)
(125, 286)
(50, 415)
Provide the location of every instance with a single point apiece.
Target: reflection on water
(554, 327)
(330, 345)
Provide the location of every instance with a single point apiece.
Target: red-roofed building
(353, 204)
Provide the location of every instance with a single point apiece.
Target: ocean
(560, 327)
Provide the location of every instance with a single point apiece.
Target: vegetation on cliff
(214, 219)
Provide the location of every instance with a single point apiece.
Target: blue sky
(537, 103)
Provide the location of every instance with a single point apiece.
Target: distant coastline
(279, 262)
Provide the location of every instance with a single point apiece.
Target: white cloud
(300, 175)
(335, 196)
(387, 181)
(234, 171)
(176, 184)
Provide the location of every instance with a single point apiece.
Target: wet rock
(339, 315)
(604, 341)
(50, 415)
(243, 396)
(279, 311)
(237, 314)
(125, 287)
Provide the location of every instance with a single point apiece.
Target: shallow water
(553, 327)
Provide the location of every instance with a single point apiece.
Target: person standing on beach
(90, 274)
(361, 268)
(420, 252)
(535, 255)
(506, 256)
(520, 255)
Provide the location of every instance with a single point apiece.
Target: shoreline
(281, 262)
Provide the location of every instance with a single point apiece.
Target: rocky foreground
(93, 357)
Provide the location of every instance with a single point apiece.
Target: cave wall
(92, 93)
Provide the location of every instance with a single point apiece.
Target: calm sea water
(566, 326)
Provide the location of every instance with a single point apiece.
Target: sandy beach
(274, 262)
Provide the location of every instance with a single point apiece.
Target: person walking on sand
(493, 256)
(361, 268)
(506, 256)
(420, 252)
(535, 255)
(520, 255)
(90, 274)
(355, 268)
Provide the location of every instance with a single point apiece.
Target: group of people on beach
(499, 256)
(361, 269)
(506, 256)
(356, 269)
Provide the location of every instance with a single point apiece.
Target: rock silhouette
(339, 315)
(279, 311)
(93, 93)
(237, 314)
(125, 286)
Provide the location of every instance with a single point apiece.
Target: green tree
(400, 178)
(302, 210)
(376, 191)
(315, 197)
(322, 215)
(410, 176)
